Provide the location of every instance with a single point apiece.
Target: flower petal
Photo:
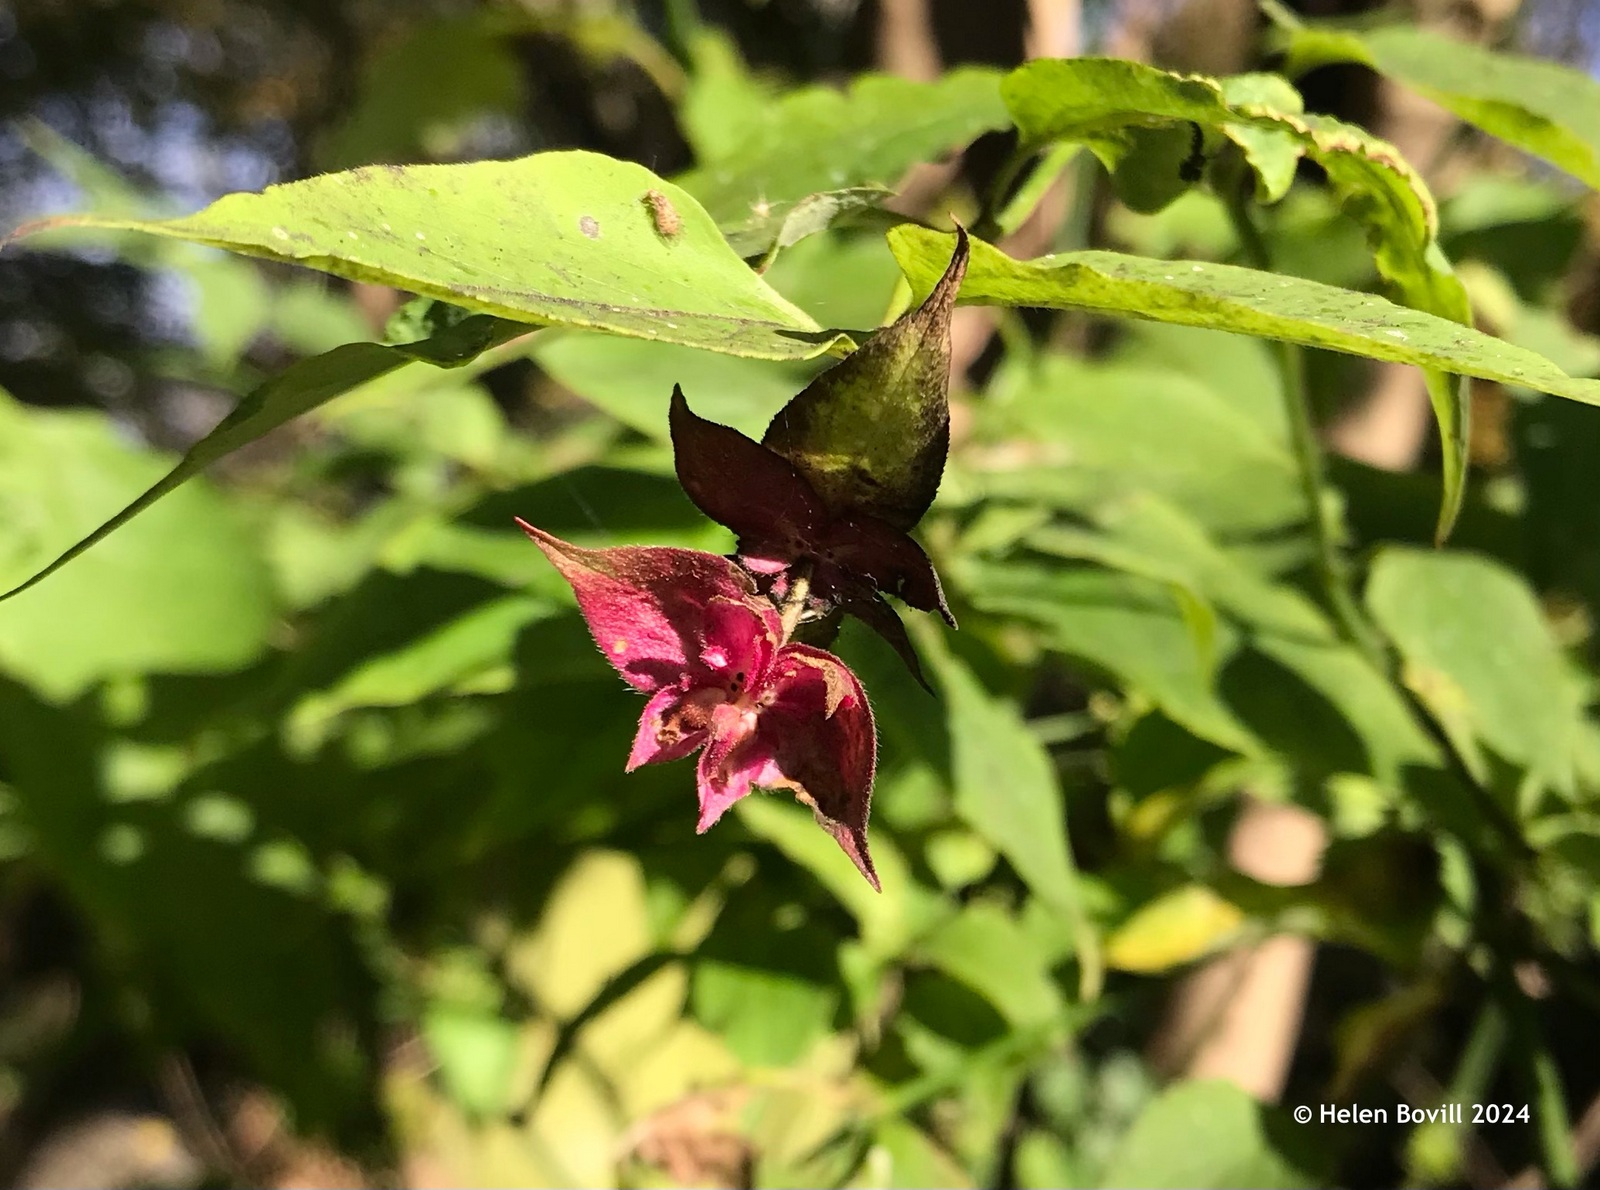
(815, 737)
(727, 769)
(889, 560)
(647, 606)
(675, 722)
(739, 641)
(877, 615)
(739, 483)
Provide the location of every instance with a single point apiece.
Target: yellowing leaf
(1176, 928)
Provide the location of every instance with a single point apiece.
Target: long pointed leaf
(298, 390)
(1230, 298)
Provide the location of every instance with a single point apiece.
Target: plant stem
(1331, 569)
(994, 201)
(794, 603)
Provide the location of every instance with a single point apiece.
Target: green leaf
(1006, 791)
(1245, 301)
(723, 102)
(1479, 654)
(299, 389)
(468, 647)
(1126, 625)
(416, 94)
(1272, 152)
(773, 226)
(984, 948)
(185, 592)
(819, 139)
(1142, 426)
(1173, 546)
(1204, 1134)
(1545, 108)
(631, 380)
(477, 1055)
(1102, 101)
(562, 238)
(887, 919)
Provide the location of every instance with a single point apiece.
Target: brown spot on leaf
(589, 226)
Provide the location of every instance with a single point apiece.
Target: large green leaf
(298, 390)
(1545, 108)
(184, 593)
(1111, 104)
(1204, 1134)
(1227, 297)
(565, 238)
(1478, 652)
(820, 139)
(631, 380)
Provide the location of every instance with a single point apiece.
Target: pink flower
(690, 630)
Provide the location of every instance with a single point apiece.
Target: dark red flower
(781, 520)
(690, 630)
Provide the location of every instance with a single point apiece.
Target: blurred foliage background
(317, 862)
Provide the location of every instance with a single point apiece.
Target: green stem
(1558, 1158)
(1331, 569)
(987, 225)
(1332, 572)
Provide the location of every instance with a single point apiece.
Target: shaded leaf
(418, 90)
(1006, 791)
(1205, 1134)
(984, 948)
(1479, 654)
(1126, 625)
(819, 139)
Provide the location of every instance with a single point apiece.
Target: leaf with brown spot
(553, 239)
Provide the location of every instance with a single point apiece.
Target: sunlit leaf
(1110, 103)
(1546, 108)
(184, 592)
(1176, 928)
(562, 238)
(1228, 297)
